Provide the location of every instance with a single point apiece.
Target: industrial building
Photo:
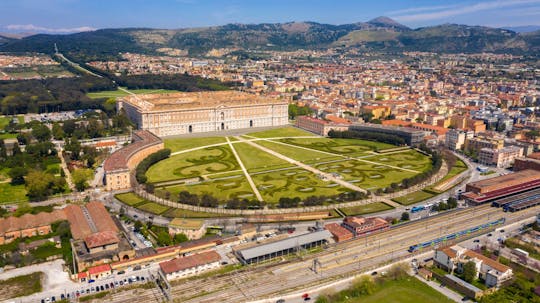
(488, 190)
(281, 248)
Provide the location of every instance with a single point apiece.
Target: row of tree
(140, 171)
(366, 135)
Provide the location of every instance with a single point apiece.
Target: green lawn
(293, 183)
(154, 208)
(255, 159)
(281, 132)
(223, 189)
(12, 193)
(21, 286)
(414, 197)
(349, 147)
(298, 154)
(130, 199)
(409, 159)
(188, 143)
(366, 175)
(193, 164)
(366, 209)
(403, 291)
(121, 93)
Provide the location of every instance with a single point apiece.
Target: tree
(532, 135)
(179, 238)
(469, 271)
(80, 178)
(17, 175)
(41, 132)
(452, 202)
(38, 184)
(57, 131)
(405, 216)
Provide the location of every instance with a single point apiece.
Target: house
(362, 226)
(338, 232)
(193, 229)
(190, 265)
(28, 225)
(455, 257)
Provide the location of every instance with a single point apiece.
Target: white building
(455, 138)
(198, 112)
(190, 265)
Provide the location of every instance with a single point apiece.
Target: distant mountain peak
(383, 21)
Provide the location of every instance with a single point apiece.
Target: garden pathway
(304, 166)
(248, 177)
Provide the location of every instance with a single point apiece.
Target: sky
(64, 16)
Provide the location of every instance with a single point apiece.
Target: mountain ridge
(378, 34)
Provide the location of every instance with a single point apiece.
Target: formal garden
(273, 162)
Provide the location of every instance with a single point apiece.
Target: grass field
(12, 193)
(414, 197)
(293, 183)
(194, 164)
(409, 290)
(188, 143)
(282, 132)
(121, 93)
(366, 209)
(21, 286)
(219, 173)
(154, 208)
(256, 160)
(130, 199)
(222, 189)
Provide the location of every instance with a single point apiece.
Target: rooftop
(26, 221)
(192, 261)
(292, 242)
(101, 239)
(119, 159)
(508, 180)
(181, 223)
(196, 100)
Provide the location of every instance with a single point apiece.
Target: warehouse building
(411, 136)
(281, 248)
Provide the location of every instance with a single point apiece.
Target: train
(453, 236)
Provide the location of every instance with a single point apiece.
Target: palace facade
(197, 112)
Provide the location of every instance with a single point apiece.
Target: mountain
(385, 22)
(5, 39)
(379, 34)
(523, 29)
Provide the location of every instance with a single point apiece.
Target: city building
(455, 257)
(477, 143)
(198, 112)
(532, 161)
(319, 126)
(487, 190)
(502, 158)
(377, 111)
(360, 226)
(28, 225)
(96, 237)
(338, 232)
(411, 136)
(119, 165)
(192, 228)
(190, 265)
(455, 138)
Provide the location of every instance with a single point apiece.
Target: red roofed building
(101, 241)
(362, 226)
(99, 271)
(338, 232)
(118, 165)
(319, 126)
(28, 225)
(190, 265)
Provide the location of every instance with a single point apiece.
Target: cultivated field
(209, 166)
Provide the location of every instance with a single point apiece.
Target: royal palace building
(197, 112)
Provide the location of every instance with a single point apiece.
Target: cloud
(420, 9)
(440, 13)
(34, 28)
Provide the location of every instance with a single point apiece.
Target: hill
(379, 34)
